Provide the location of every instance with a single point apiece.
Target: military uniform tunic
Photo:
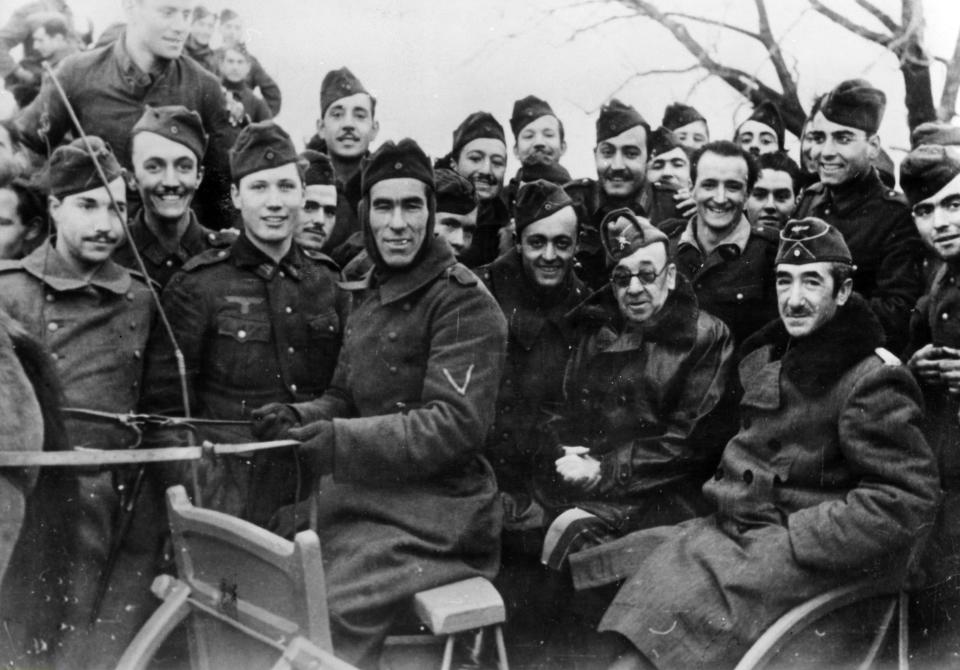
(162, 264)
(412, 503)
(252, 332)
(736, 281)
(886, 248)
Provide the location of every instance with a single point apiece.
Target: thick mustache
(618, 174)
(798, 312)
(485, 178)
(348, 136)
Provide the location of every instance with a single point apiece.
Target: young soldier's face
(841, 153)
(547, 248)
(772, 199)
(88, 228)
(692, 136)
(268, 201)
(671, 167)
(317, 216)
(805, 296)
(457, 230)
(232, 31)
(622, 162)
(720, 190)
(398, 219)
(234, 67)
(642, 282)
(160, 26)
(539, 142)
(484, 162)
(757, 138)
(202, 29)
(167, 174)
(938, 221)
(348, 126)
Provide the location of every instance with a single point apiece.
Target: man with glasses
(645, 386)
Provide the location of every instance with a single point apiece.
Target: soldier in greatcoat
(829, 480)
(412, 501)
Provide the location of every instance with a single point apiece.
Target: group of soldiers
(662, 406)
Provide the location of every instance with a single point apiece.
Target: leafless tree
(903, 38)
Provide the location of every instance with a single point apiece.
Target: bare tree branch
(640, 75)
(787, 81)
(714, 22)
(880, 15)
(951, 86)
(587, 28)
(856, 29)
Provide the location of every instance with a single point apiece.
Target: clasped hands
(578, 467)
(938, 366)
(278, 421)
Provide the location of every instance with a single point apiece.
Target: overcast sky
(430, 63)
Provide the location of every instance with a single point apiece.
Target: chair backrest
(239, 572)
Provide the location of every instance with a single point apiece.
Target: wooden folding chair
(250, 599)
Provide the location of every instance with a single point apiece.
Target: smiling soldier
(412, 503)
(874, 220)
(829, 481)
(256, 322)
(168, 146)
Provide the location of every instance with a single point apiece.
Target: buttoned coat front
(412, 503)
(828, 481)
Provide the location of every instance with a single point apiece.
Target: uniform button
(135, 384)
(506, 409)
(826, 211)
(718, 475)
(136, 354)
(622, 400)
(133, 325)
(774, 444)
(505, 435)
(748, 476)
(221, 253)
(392, 336)
(401, 405)
(241, 334)
(407, 307)
(349, 330)
(130, 295)
(331, 328)
(393, 369)
(169, 263)
(55, 356)
(282, 274)
(508, 382)
(293, 387)
(739, 296)
(289, 350)
(288, 310)
(945, 316)
(52, 326)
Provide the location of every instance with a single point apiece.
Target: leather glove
(272, 421)
(316, 448)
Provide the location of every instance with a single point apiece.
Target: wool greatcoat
(412, 503)
(646, 402)
(828, 481)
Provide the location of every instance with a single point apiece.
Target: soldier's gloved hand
(316, 448)
(579, 468)
(272, 421)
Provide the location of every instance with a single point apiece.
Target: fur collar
(815, 363)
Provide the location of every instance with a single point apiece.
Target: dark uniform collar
(639, 204)
(731, 248)
(399, 285)
(192, 242)
(848, 196)
(47, 265)
(245, 255)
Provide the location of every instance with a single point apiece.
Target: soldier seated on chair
(828, 481)
(643, 390)
(412, 503)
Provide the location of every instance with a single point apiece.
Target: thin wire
(177, 352)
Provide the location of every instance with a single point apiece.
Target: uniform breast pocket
(243, 330)
(324, 326)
